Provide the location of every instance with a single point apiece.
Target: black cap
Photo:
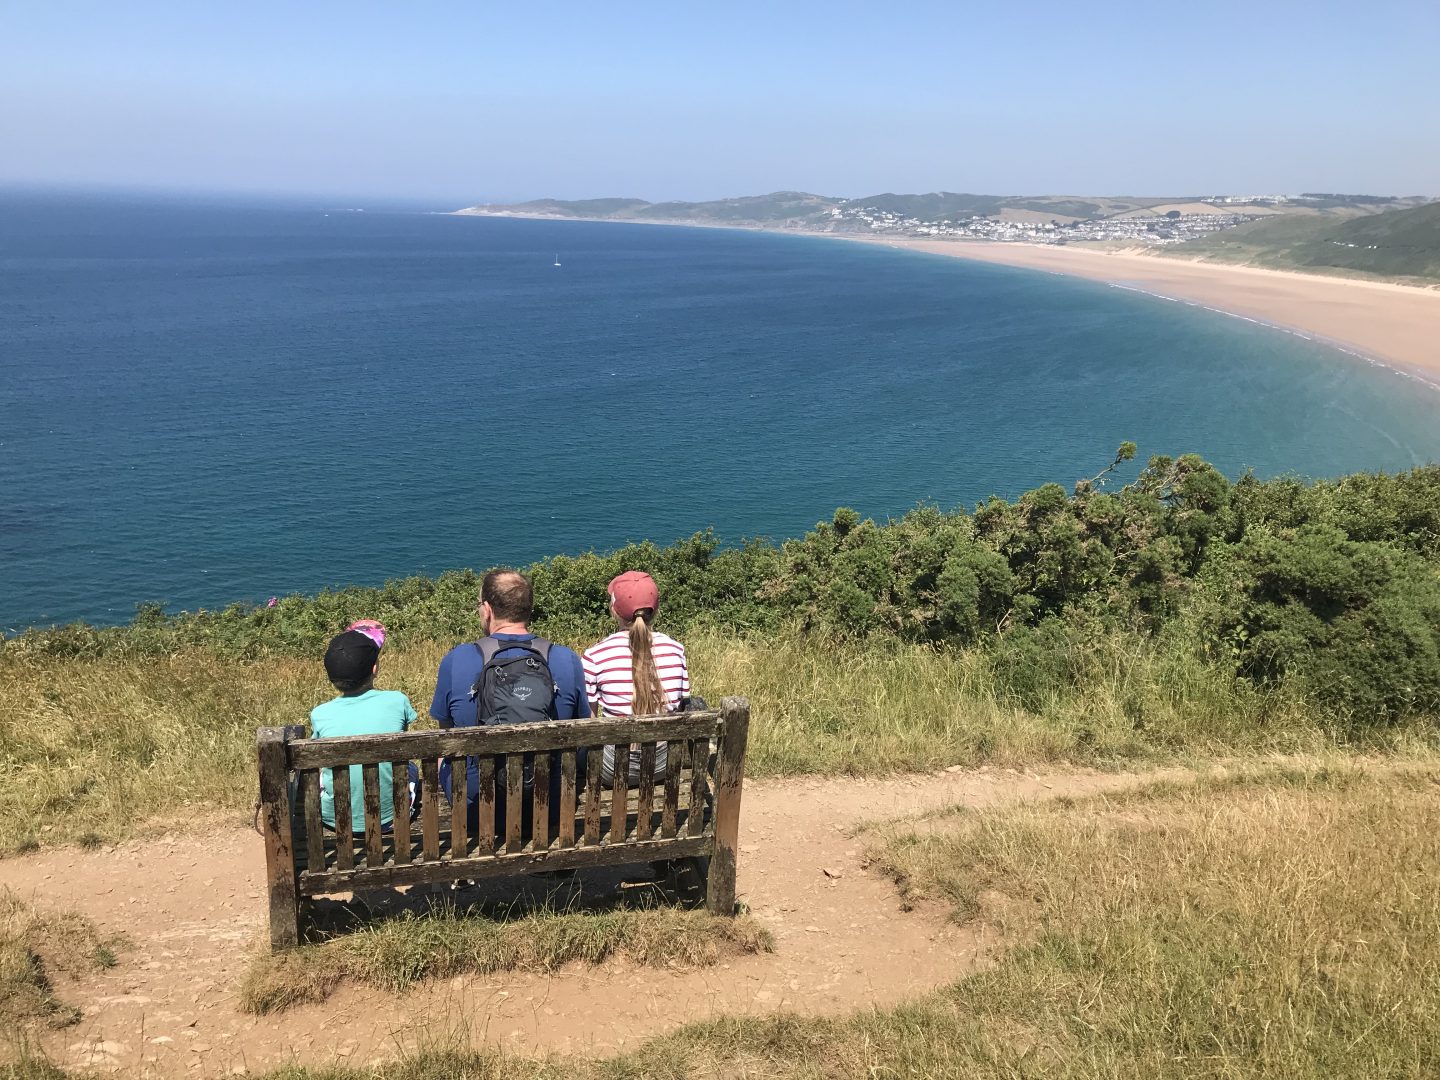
(350, 659)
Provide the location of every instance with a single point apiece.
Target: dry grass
(104, 746)
(1273, 924)
(97, 749)
(1269, 923)
(35, 944)
(876, 707)
(396, 953)
(26, 1063)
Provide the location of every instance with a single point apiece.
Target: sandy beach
(1398, 325)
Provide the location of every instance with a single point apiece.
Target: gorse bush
(398, 952)
(1331, 586)
(1358, 621)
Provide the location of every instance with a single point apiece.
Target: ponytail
(649, 694)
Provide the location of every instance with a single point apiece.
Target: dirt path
(193, 910)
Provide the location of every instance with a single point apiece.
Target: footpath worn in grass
(1278, 923)
(35, 944)
(1275, 924)
(97, 747)
(396, 953)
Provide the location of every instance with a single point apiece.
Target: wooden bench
(698, 812)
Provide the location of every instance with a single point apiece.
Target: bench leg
(729, 782)
(279, 843)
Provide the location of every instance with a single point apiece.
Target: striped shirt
(608, 682)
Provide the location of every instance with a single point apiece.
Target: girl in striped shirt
(635, 671)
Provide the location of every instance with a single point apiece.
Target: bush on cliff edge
(1330, 585)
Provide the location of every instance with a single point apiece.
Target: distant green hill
(959, 206)
(936, 206)
(777, 207)
(796, 209)
(1391, 244)
(581, 207)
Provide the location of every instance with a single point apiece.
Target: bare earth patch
(37, 946)
(192, 908)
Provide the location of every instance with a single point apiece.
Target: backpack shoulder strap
(490, 647)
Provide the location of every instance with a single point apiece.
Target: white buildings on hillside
(1152, 230)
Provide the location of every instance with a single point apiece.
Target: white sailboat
(557, 258)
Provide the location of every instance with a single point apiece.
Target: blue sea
(208, 403)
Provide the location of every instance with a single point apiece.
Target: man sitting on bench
(509, 676)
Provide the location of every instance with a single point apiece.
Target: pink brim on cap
(372, 629)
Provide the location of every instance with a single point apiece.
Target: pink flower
(273, 601)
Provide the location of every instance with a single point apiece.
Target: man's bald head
(509, 594)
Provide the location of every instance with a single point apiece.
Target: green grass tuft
(396, 953)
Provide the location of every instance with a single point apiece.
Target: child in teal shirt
(351, 662)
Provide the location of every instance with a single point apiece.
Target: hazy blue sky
(459, 102)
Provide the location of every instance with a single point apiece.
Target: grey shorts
(607, 765)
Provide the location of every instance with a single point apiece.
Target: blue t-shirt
(375, 712)
(460, 670)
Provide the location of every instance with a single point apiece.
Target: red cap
(632, 591)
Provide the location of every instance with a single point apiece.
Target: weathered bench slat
(592, 797)
(328, 856)
(645, 794)
(514, 801)
(567, 799)
(459, 807)
(485, 834)
(540, 822)
(374, 837)
(674, 762)
(699, 764)
(400, 809)
(344, 830)
(430, 809)
(503, 865)
(620, 794)
(500, 739)
(314, 823)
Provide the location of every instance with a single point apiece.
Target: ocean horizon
(207, 404)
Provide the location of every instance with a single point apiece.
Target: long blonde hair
(649, 696)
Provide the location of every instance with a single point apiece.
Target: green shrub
(1358, 622)
(1255, 576)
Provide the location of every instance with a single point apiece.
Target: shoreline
(1385, 324)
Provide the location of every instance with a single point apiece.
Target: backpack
(513, 689)
(517, 688)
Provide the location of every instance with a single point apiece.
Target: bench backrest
(698, 809)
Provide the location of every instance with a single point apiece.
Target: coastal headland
(1397, 325)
